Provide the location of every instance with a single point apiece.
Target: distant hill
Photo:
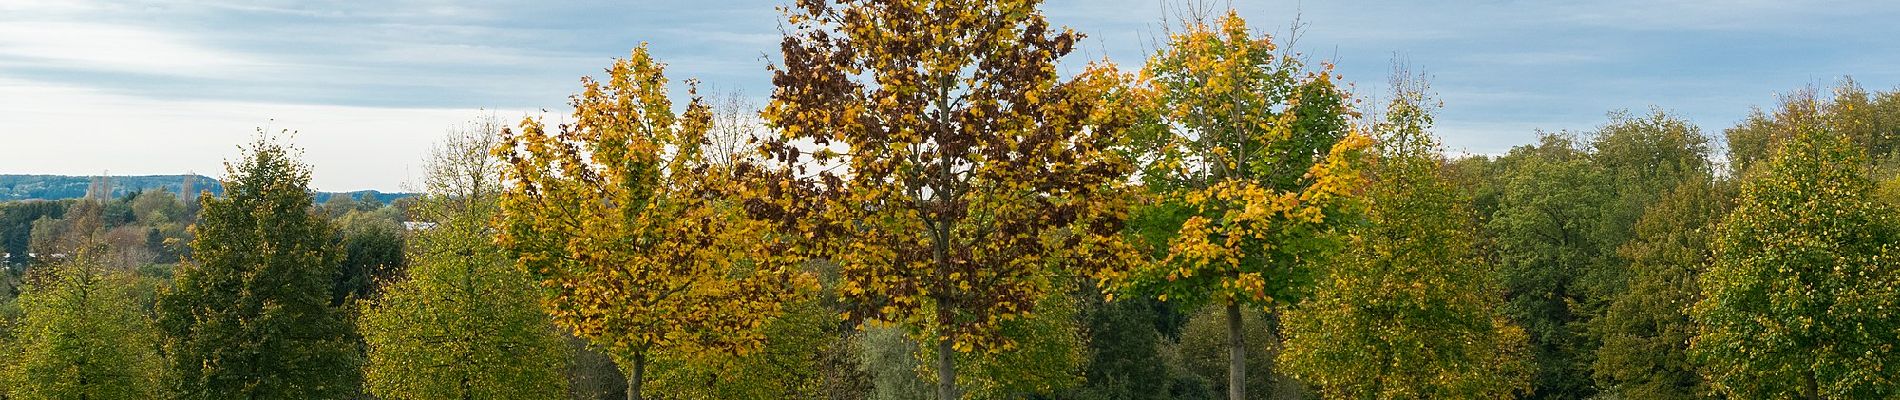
(57, 187)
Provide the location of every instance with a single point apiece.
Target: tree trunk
(946, 370)
(634, 376)
(1237, 355)
(1809, 388)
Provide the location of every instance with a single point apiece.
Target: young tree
(1410, 311)
(967, 163)
(249, 316)
(81, 336)
(1253, 162)
(466, 323)
(640, 244)
(1799, 301)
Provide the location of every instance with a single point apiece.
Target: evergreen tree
(250, 316)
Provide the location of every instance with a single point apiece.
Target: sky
(140, 87)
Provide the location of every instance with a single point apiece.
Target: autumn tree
(640, 244)
(1411, 309)
(950, 160)
(250, 315)
(1798, 302)
(465, 324)
(1252, 160)
(81, 335)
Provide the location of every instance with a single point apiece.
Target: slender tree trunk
(1237, 355)
(1809, 388)
(946, 370)
(635, 377)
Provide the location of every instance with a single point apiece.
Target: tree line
(928, 208)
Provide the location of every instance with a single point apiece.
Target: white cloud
(118, 48)
(57, 129)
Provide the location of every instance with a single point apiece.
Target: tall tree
(1548, 235)
(967, 163)
(466, 323)
(1645, 157)
(1657, 167)
(640, 244)
(1254, 163)
(1645, 332)
(250, 315)
(81, 335)
(1411, 310)
(1799, 300)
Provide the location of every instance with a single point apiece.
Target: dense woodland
(929, 208)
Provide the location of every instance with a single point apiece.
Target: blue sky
(162, 87)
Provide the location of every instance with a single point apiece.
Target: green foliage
(16, 227)
(1553, 255)
(466, 323)
(892, 359)
(1645, 332)
(1799, 301)
(1125, 352)
(1048, 358)
(251, 316)
(789, 366)
(1645, 157)
(1410, 311)
(1252, 165)
(372, 252)
(81, 335)
(1204, 353)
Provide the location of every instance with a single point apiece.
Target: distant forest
(61, 187)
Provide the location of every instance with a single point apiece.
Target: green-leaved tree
(1800, 301)
(466, 324)
(250, 315)
(82, 335)
(1411, 310)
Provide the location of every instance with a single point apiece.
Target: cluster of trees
(928, 209)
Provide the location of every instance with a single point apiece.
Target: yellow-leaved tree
(1252, 164)
(641, 245)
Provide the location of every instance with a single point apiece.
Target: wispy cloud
(164, 85)
(119, 48)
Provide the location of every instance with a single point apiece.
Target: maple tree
(640, 244)
(1253, 165)
(932, 151)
